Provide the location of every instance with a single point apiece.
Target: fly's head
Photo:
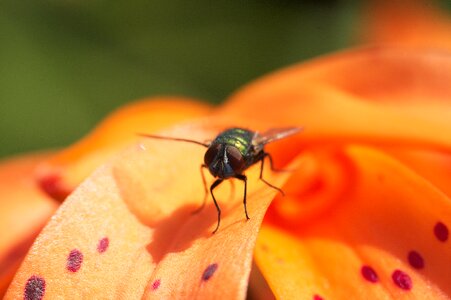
(224, 161)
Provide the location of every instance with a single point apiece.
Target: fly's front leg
(262, 159)
(202, 168)
(213, 186)
(244, 179)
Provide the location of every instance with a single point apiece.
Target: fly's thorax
(239, 138)
(224, 160)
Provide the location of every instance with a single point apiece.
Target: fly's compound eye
(212, 154)
(235, 159)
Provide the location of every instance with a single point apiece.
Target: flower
(366, 213)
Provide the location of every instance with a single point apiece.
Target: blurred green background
(65, 64)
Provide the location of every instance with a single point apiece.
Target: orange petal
(383, 236)
(128, 231)
(379, 96)
(431, 165)
(66, 170)
(24, 209)
(416, 24)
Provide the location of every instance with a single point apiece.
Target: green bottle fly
(232, 152)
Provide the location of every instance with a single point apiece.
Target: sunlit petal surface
(129, 232)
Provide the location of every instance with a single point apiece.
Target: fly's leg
(266, 154)
(202, 167)
(272, 168)
(215, 184)
(244, 179)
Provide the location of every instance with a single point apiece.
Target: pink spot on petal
(209, 271)
(156, 284)
(35, 288)
(103, 245)
(369, 274)
(402, 280)
(415, 260)
(441, 232)
(317, 297)
(74, 260)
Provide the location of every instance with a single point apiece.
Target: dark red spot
(103, 245)
(53, 186)
(402, 280)
(415, 260)
(74, 260)
(369, 274)
(279, 260)
(156, 284)
(209, 271)
(264, 247)
(317, 297)
(35, 288)
(441, 232)
(316, 185)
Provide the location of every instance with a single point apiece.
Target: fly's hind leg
(265, 154)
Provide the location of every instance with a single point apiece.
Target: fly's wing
(273, 134)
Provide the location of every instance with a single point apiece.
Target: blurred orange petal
(24, 210)
(374, 96)
(128, 231)
(431, 165)
(63, 172)
(415, 24)
(383, 236)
